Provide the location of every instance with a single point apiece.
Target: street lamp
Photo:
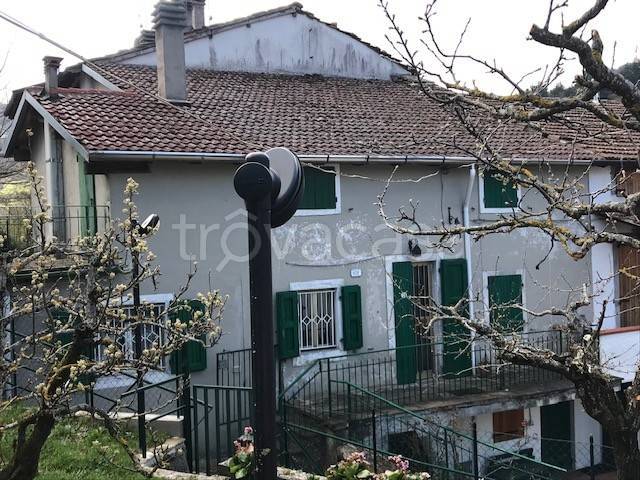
(271, 184)
(144, 228)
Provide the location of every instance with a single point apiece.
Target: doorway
(555, 429)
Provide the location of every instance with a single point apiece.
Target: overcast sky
(498, 29)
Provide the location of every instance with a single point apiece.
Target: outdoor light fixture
(271, 184)
(148, 224)
(414, 248)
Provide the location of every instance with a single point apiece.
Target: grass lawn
(78, 449)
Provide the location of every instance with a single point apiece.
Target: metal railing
(233, 368)
(315, 390)
(67, 223)
(220, 414)
(382, 426)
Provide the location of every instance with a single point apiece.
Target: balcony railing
(322, 388)
(67, 223)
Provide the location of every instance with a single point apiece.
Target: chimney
(197, 13)
(169, 20)
(51, 66)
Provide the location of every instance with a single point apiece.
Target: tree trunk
(627, 454)
(26, 457)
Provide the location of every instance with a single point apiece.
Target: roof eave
(31, 101)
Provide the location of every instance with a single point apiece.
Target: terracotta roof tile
(309, 114)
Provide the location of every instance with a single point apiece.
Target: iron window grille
(152, 335)
(316, 311)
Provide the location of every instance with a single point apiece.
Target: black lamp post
(143, 228)
(271, 184)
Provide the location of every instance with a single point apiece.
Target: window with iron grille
(152, 335)
(316, 311)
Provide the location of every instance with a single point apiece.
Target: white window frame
(484, 209)
(119, 380)
(306, 356)
(326, 211)
(485, 294)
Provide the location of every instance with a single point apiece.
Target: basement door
(555, 424)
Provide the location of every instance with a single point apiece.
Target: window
(319, 315)
(505, 291)
(423, 295)
(508, 425)
(629, 287)
(316, 311)
(498, 192)
(151, 334)
(321, 191)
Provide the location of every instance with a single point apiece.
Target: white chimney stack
(169, 21)
(51, 67)
(197, 14)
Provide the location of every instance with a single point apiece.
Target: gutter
(105, 155)
(133, 155)
(467, 236)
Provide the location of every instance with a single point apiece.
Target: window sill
(120, 380)
(499, 210)
(309, 356)
(317, 212)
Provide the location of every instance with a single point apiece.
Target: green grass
(78, 448)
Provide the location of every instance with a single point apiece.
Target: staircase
(322, 416)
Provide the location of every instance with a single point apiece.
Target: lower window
(508, 425)
(152, 335)
(316, 311)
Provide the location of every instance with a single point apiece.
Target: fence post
(285, 439)
(592, 470)
(328, 385)
(186, 418)
(476, 467)
(374, 440)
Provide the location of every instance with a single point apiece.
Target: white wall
(285, 44)
(620, 352)
(603, 265)
(531, 439)
(585, 426)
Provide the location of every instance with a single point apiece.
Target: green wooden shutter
(192, 357)
(453, 286)
(497, 194)
(66, 338)
(319, 189)
(351, 317)
(87, 206)
(406, 360)
(505, 290)
(288, 324)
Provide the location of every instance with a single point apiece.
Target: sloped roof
(312, 115)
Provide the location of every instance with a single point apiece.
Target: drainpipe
(50, 183)
(467, 236)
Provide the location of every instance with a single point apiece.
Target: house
(179, 112)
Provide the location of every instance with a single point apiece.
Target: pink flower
(400, 463)
(248, 430)
(356, 457)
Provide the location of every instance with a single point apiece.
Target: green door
(87, 208)
(555, 425)
(505, 291)
(456, 352)
(406, 364)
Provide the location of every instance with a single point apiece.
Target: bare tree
(88, 308)
(565, 211)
